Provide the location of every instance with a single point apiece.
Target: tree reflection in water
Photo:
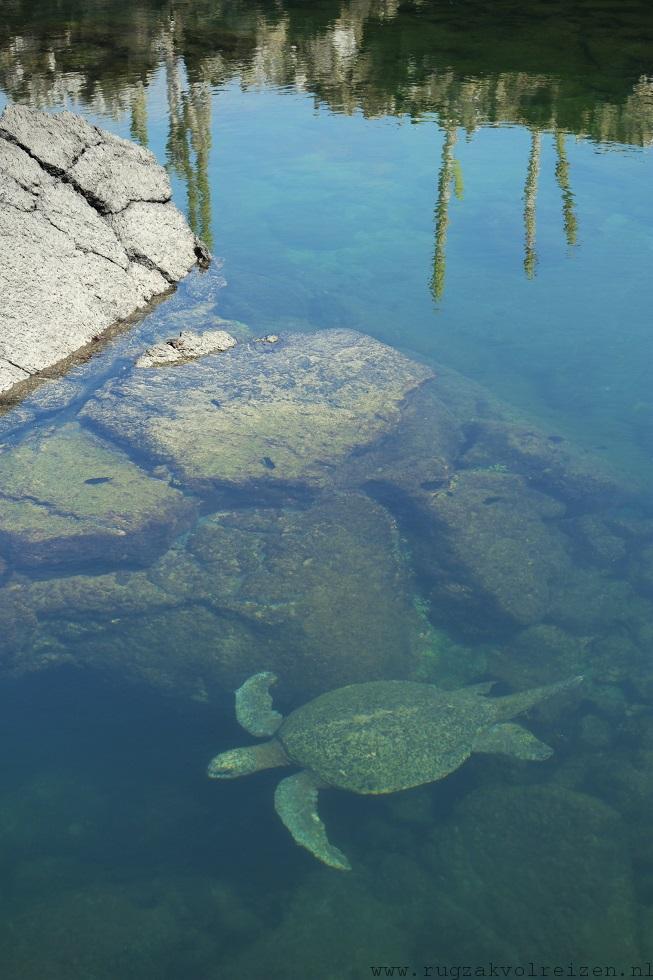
(379, 57)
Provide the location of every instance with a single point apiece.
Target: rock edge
(88, 236)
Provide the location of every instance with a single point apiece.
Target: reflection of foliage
(448, 174)
(377, 56)
(380, 57)
(138, 127)
(562, 176)
(530, 199)
(189, 143)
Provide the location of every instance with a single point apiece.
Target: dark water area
(468, 183)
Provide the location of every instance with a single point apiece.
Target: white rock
(88, 235)
(186, 347)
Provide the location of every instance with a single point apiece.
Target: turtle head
(246, 760)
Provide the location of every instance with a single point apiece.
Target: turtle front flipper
(295, 800)
(247, 759)
(511, 739)
(254, 709)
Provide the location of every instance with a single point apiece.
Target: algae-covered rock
(332, 931)
(330, 580)
(187, 652)
(540, 653)
(591, 600)
(418, 454)
(548, 461)
(19, 628)
(488, 543)
(262, 416)
(68, 497)
(546, 868)
(323, 596)
(105, 929)
(597, 540)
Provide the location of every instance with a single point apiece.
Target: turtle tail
(515, 704)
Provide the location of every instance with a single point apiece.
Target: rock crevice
(88, 236)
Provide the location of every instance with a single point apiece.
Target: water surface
(469, 184)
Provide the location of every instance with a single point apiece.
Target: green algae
(261, 414)
(67, 496)
(497, 543)
(323, 596)
(570, 890)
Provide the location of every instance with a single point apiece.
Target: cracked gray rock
(88, 236)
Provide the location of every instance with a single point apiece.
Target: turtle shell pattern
(385, 736)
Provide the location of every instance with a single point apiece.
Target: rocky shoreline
(88, 236)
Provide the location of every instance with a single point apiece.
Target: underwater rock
(322, 596)
(548, 462)
(597, 541)
(486, 518)
(266, 417)
(545, 868)
(538, 654)
(490, 546)
(69, 498)
(498, 435)
(186, 347)
(591, 600)
(329, 583)
(641, 571)
(19, 629)
(103, 929)
(328, 930)
(187, 652)
(88, 235)
(418, 454)
(596, 732)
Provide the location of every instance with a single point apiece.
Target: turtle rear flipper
(295, 800)
(516, 704)
(254, 709)
(511, 739)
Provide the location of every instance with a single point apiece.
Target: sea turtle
(376, 737)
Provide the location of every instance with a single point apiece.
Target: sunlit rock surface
(69, 498)
(88, 235)
(186, 347)
(262, 415)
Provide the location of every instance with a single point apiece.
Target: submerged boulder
(68, 498)
(262, 416)
(548, 461)
(88, 235)
(489, 546)
(322, 596)
(543, 868)
(329, 583)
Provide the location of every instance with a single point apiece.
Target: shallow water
(470, 185)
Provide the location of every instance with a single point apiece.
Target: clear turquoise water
(317, 181)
